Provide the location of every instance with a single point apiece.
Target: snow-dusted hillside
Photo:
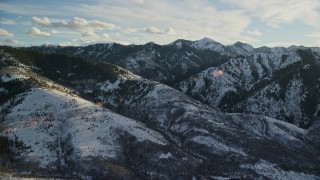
(282, 85)
(211, 135)
(58, 130)
(161, 132)
(55, 133)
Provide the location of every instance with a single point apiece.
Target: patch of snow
(107, 86)
(207, 43)
(272, 171)
(306, 67)
(165, 156)
(71, 74)
(293, 98)
(264, 102)
(199, 84)
(220, 178)
(184, 87)
(317, 111)
(179, 44)
(89, 91)
(216, 146)
(11, 77)
(3, 90)
(189, 54)
(155, 93)
(292, 58)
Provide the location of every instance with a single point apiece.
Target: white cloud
(254, 32)
(89, 37)
(169, 31)
(226, 21)
(313, 35)
(278, 12)
(89, 34)
(105, 36)
(28, 8)
(76, 23)
(188, 19)
(5, 33)
(41, 21)
(7, 21)
(130, 30)
(138, 1)
(116, 34)
(154, 30)
(249, 40)
(36, 32)
(122, 42)
(54, 31)
(65, 44)
(12, 41)
(92, 37)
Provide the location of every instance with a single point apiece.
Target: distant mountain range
(64, 116)
(167, 63)
(279, 82)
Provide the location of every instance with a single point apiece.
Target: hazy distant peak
(242, 45)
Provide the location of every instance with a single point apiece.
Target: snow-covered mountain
(181, 60)
(170, 63)
(280, 85)
(48, 128)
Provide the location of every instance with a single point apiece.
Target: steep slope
(73, 132)
(56, 133)
(283, 86)
(224, 141)
(176, 136)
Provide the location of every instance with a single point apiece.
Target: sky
(82, 22)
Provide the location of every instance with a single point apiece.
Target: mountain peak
(207, 43)
(151, 43)
(207, 40)
(244, 46)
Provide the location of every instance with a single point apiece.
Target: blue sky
(82, 22)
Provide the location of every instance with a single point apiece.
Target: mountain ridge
(196, 140)
(182, 60)
(244, 77)
(168, 63)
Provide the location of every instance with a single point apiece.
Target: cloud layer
(12, 41)
(191, 19)
(154, 30)
(36, 32)
(76, 23)
(277, 12)
(5, 33)
(257, 22)
(6, 21)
